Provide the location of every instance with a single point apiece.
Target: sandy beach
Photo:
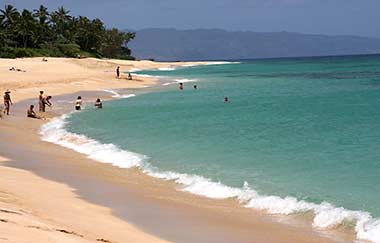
(52, 194)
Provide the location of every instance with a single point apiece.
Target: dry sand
(52, 194)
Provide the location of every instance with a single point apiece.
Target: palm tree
(41, 14)
(9, 15)
(61, 18)
(26, 28)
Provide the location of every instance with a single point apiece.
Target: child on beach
(98, 104)
(7, 102)
(78, 103)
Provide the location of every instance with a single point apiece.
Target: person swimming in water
(78, 103)
(195, 87)
(180, 86)
(226, 100)
(98, 104)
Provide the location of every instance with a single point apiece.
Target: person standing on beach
(129, 76)
(7, 101)
(118, 72)
(46, 101)
(78, 103)
(41, 102)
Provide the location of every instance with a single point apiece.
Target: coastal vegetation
(57, 33)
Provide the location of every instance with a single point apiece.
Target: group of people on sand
(43, 101)
(118, 73)
(16, 69)
(181, 87)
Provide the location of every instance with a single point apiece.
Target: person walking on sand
(78, 103)
(98, 104)
(41, 101)
(118, 72)
(130, 76)
(7, 102)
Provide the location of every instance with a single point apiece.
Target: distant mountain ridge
(215, 44)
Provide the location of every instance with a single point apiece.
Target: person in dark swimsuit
(46, 101)
(118, 72)
(78, 103)
(98, 104)
(180, 86)
(226, 100)
(41, 107)
(7, 101)
(31, 114)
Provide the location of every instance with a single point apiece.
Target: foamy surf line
(196, 65)
(117, 95)
(326, 215)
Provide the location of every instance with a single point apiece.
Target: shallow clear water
(307, 127)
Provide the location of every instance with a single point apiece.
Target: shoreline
(189, 205)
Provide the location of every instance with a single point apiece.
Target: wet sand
(82, 200)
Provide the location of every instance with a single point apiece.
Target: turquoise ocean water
(298, 135)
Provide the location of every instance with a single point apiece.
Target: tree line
(57, 33)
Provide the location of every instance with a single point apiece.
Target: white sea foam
(146, 75)
(185, 80)
(221, 63)
(326, 215)
(168, 83)
(209, 63)
(134, 70)
(117, 95)
(166, 69)
(180, 81)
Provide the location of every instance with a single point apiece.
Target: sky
(330, 17)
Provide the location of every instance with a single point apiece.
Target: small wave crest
(117, 95)
(166, 69)
(146, 75)
(180, 81)
(326, 215)
(209, 63)
(54, 132)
